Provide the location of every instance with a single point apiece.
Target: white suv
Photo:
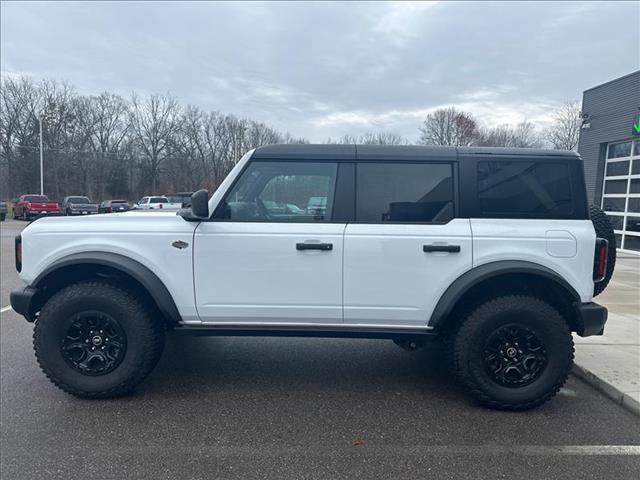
(153, 203)
(491, 250)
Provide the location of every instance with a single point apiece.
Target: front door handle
(441, 248)
(314, 246)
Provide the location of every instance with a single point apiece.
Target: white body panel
(144, 237)
(565, 246)
(389, 280)
(252, 272)
(234, 272)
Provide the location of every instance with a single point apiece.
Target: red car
(29, 207)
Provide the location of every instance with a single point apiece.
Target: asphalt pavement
(294, 408)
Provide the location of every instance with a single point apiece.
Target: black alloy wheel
(514, 356)
(94, 343)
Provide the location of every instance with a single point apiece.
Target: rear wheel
(604, 229)
(96, 340)
(513, 352)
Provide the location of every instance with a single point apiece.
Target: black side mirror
(200, 204)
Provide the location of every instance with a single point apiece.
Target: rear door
(406, 246)
(266, 257)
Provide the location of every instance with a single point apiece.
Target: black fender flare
(149, 280)
(479, 274)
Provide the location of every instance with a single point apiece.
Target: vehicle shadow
(316, 364)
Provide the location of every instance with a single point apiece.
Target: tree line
(108, 146)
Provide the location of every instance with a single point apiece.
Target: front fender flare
(142, 274)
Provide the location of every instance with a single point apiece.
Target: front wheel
(513, 352)
(96, 340)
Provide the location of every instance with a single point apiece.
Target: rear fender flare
(477, 275)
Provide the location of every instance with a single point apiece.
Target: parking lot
(294, 408)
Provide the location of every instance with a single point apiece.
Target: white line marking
(5, 309)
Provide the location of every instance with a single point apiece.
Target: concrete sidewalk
(611, 362)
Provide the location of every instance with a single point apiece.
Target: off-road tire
(468, 347)
(2, 216)
(604, 229)
(145, 339)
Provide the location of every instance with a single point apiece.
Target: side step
(306, 331)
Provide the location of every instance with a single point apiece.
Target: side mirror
(200, 204)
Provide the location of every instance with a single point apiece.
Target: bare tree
(18, 104)
(154, 124)
(522, 135)
(449, 126)
(371, 138)
(564, 133)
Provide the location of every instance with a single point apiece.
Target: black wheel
(513, 352)
(67, 212)
(2, 217)
(96, 340)
(604, 229)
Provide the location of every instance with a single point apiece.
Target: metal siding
(612, 108)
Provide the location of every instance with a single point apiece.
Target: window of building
(397, 192)
(621, 193)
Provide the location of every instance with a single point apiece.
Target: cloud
(320, 69)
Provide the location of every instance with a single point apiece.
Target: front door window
(282, 192)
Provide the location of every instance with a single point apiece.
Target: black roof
(390, 152)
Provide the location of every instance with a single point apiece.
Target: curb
(608, 389)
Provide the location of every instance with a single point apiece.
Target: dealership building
(610, 148)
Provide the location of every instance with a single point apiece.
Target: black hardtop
(350, 152)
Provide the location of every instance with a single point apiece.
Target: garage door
(621, 193)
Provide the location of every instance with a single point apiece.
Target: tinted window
(613, 204)
(620, 150)
(158, 200)
(78, 200)
(282, 192)
(632, 243)
(615, 186)
(404, 192)
(617, 168)
(524, 188)
(36, 198)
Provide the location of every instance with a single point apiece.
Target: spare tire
(603, 229)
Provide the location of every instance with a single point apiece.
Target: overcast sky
(325, 69)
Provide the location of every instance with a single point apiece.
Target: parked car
(152, 203)
(179, 200)
(493, 251)
(28, 207)
(78, 206)
(3, 211)
(112, 206)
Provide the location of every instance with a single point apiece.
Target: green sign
(636, 126)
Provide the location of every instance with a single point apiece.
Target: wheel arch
(125, 270)
(506, 277)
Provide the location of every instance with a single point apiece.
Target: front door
(406, 246)
(270, 253)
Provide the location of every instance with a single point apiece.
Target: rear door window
(396, 192)
(524, 189)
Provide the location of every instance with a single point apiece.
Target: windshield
(79, 200)
(36, 198)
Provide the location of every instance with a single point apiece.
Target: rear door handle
(314, 246)
(441, 248)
